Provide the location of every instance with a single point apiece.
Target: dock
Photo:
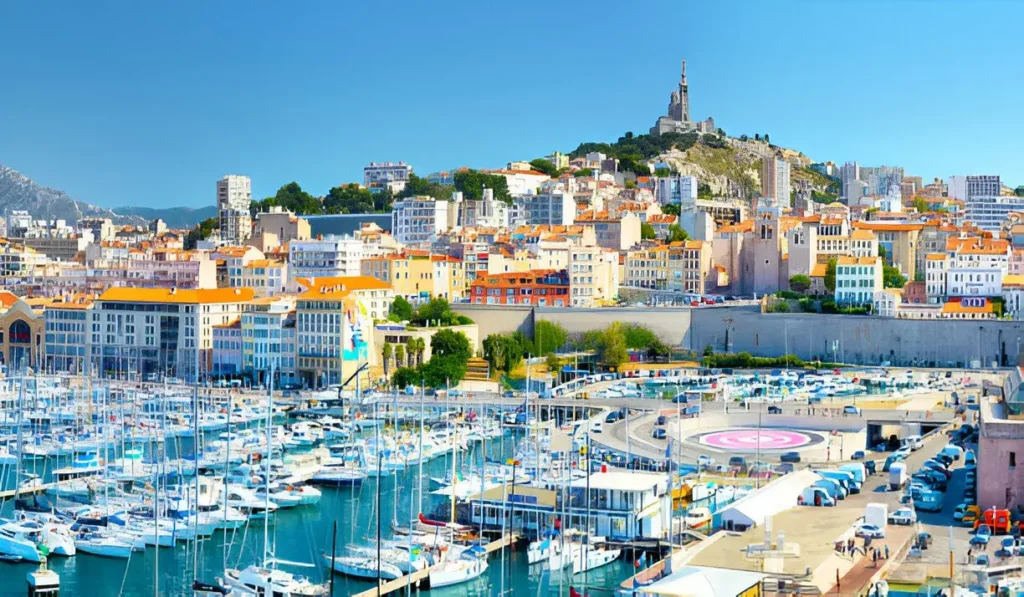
(415, 578)
(9, 493)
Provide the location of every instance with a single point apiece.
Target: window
(1013, 460)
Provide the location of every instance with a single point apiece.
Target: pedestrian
(874, 557)
(887, 551)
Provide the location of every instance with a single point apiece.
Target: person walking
(886, 551)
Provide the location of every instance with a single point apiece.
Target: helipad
(747, 440)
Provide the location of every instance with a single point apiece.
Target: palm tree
(400, 355)
(420, 347)
(386, 352)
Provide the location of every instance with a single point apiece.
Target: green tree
(401, 310)
(647, 231)
(420, 187)
(766, 139)
(892, 278)
(549, 336)
(613, 352)
(294, 199)
(441, 371)
(417, 346)
(583, 172)
(639, 336)
(709, 350)
(676, 234)
(553, 362)
(799, 283)
(386, 352)
(543, 165)
(449, 343)
(202, 231)
(662, 172)
(503, 352)
(437, 311)
(882, 252)
(780, 307)
(472, 183)
(830, 274)
(920, 205)
(405, 377)
(353, 199)
(704, 191)
(671, 209)
(400, 356)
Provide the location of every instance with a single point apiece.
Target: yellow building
(21, 333)
(419, 276)
(333, 333)
(901, 243)
(374, 296)
(267, 277)
(680, 266)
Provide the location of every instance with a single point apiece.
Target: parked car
(865, 531)
(705, 461)
(775, 410)
(659, 433)
(661, 420)
(793, 457)
(904, 516)
(958, 512)
(851, 410)
(858, 455)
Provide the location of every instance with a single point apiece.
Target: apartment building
(372, 296)
(283, 225)
(268, 277)
(234, 196)
(17, 260)
(419, 220)
(263, 325)
(679, 266)
(156, 332)
(391, 176)
(67, 335)
(935, 274)
(330, 256)
(857, 279)
(418, 276)
(227, 349)
(977, 266)
(989, 212)
(540, 287)
(553, 207)
(234, 258)
(677, 190)
(593, 276)
(901, 243)
(775, 181)
(617, 233)
(333, 336)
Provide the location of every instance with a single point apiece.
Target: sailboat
(266, 579)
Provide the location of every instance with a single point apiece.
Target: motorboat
(698, 519)
(248, 503)
(20, 541)
(541, 550)
(259, 580)
(103, 545)
(594, 555)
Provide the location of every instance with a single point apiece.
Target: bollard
(43, 582)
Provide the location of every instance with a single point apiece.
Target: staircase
(477, 369)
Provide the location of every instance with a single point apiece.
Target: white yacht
(107, 546)
(362, 567)
(257, 580)
(18, 541)
(469, 564)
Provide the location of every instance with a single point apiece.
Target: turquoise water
(300, 534)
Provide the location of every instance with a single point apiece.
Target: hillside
(174, 217)
(19, 192)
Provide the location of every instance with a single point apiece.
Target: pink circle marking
(752, 439)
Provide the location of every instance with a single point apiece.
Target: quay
(415, 578)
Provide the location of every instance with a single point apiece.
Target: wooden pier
(26, 490)
(415, 578)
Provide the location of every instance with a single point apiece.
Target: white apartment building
(988, 212)
(887, 302)
(234, 194)
(678, 190)
(263, 345)
(483, 213)
(593, 276)
(986, 185)
(555, 207)
(857, 279)
(977, 266)
(419, 220)
(327, 257)
(387, 175)
(775, 181)
(268, 277)
(936, 266)
(155, 332)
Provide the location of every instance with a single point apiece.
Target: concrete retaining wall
(856, 339)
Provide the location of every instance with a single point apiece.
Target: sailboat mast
(266, 462)
(420, 475)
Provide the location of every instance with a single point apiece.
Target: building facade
(858, 279)
(542, 288)
(234, 195)
(386, 176)
(419, 220)
(325, 257)
(775, 181)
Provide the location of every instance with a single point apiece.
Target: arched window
(19, 333)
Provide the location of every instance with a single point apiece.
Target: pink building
(1001, 447)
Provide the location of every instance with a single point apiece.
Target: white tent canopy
(698, 581)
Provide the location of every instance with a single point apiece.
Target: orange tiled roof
(861, 235)
(978, 246)
(935, 256)
(351, 283)
(7, 299)
(178, 296)
(1013, 281)
(887, 226)
(818, 271)
(850, 260)
(955, 306)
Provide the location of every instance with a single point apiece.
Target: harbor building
(619, 505)
(67, 335)
(159, 332)
(21, 333)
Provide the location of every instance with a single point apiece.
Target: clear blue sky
(148, 103)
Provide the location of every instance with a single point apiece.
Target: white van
(915, 442)
(596, 427)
